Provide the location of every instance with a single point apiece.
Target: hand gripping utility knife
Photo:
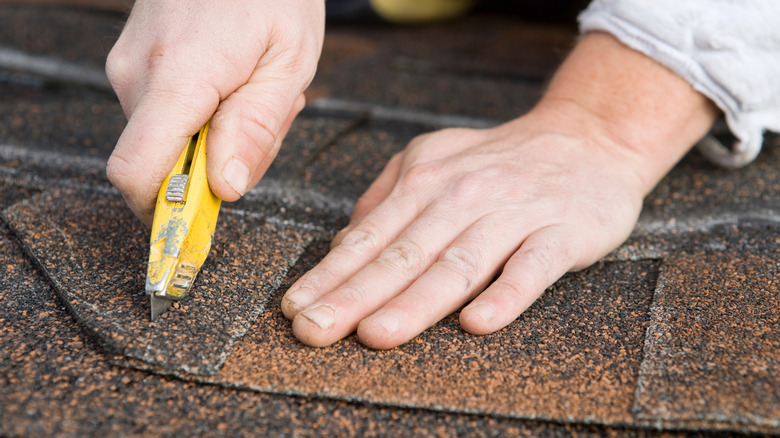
(184, 220)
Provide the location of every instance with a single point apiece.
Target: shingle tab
(94, 251)
(712, 354)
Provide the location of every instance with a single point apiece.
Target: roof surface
(676, 333)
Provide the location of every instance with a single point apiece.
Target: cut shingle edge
(712, 357)
(94, 252)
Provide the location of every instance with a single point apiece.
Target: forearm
(647, 113)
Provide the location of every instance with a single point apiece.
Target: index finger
(152, 141)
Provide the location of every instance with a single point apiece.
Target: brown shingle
(712, 353)
(55, 382)
(573, 356)
(708, 362)
(78, 35)
(94, 251)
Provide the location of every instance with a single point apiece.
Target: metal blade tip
(159, 305)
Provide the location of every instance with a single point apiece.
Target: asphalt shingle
(76, 35)
(521, 371)
(57, 382)
(676, 330)
(711, 354)
(60, 119)
(494, 74)
(348, 167)
(94, 251)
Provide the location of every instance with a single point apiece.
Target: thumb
(151, 143)
(247, 130)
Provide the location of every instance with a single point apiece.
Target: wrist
(634, 107)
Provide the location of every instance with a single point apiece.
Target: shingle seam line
(54, 69)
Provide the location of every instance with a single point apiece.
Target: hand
(536, 196)
(550, 192)
(246, 62)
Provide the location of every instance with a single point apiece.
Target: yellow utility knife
(184, 221)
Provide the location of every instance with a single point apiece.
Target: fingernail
(324, 316)
(483, 309)
(300, 298)
(237, 175)
(388, 320)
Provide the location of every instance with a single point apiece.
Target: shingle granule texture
(711, 352)
(95, 251)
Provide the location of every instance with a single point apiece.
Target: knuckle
(354, 295)
(162, 57)
(464, 263)
(443, 138)
(421, 148)
(118, 172)
(303, 68)
(262, 136)
(545, 258)
(266, 116)
(259, 137)
(118, 64)
(419, 141)
(540, 259)
(396, 159)
(359, 240)
(418, 176)
(517, 294)
(395, 163)
(131, 181)
(457, 134)
(471, 185)
(404, 257)
(297, 53)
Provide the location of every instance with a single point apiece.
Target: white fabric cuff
(728, 51)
